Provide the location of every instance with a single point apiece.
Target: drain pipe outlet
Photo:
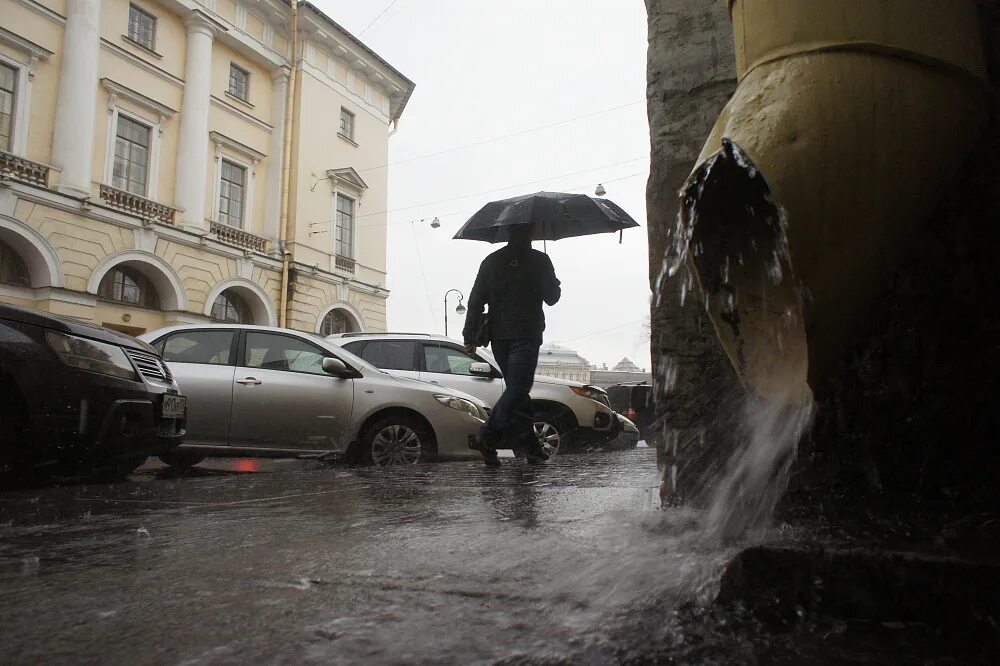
(849, 122)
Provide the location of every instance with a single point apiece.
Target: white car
(567, 414)
(260, 390)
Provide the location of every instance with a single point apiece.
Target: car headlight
(588, 392)
(91, 355)
(461, 404)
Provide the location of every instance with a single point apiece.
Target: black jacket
(513, 282)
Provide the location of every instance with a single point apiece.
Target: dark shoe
(537, 457)
(490, 459)
(481, 444)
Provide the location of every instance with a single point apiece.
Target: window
(335, 321)
(12, 269)
(269, 351)
(229, 307)
(239, 82)
(128, 285)
(8, 79)
(131, 165)
(344, 241)
(447, 361)
(390, 354)
(232, 190)
(141, 27)
(209, 347)
(346, 124)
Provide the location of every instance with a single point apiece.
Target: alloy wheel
(396, 445)
(548, 436)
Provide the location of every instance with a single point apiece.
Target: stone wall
(691, 73)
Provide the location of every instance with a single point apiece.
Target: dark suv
(81, 399)
(635, 401)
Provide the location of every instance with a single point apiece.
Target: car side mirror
(481, 369)
(335, 367)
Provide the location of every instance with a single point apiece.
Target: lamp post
(460, 309)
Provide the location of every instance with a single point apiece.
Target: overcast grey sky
(485, 69)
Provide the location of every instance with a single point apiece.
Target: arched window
(12, 268)
(231, 308)
(335, 321)
(128, 285)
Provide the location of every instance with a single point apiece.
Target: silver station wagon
(258, 390)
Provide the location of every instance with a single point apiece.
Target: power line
(467, 212)
(508, 187)
(378, 17)
(504, 136)
(423, 274)
(606, 330)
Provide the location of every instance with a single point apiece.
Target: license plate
(174, 406)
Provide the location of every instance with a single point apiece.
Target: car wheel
(395, 440)
(551, 433)
(181, 459)
(114, 471)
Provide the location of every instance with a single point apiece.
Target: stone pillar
(76, 107)
(192, 149)
(276, 148)
(691, 73)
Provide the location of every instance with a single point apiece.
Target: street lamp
(460, 309)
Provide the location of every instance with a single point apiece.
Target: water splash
(733, 234)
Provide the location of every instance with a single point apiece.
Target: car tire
(552, 433)
(395, 439)
(181, 459)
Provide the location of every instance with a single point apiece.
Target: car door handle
(248, 380)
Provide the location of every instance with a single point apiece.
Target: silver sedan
(259, 390)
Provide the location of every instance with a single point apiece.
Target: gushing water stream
(730, 242)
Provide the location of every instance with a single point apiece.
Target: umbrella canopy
(554, 215)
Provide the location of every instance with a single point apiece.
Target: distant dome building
(626, 365)
(563, 363)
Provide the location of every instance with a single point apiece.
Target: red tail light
(630, 414)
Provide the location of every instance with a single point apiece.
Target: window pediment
(118, 90)
(223, 141)
(348, 177)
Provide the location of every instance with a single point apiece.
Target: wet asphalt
(295, 561)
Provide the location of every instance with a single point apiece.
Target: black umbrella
(554, 215)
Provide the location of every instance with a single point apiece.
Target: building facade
(562, 363)
(625, 372)
(141, 148)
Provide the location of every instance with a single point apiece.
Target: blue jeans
(513, 416)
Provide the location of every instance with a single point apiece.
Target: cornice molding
(237, 147)
(118, 90)
(33, 50)
(42, 10)
(223, 104)
(139, 62)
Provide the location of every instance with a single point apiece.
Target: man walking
(514, 281)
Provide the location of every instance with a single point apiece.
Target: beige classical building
(141, 148)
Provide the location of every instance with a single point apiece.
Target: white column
(276, 150)
(192, 148)
(76, 107)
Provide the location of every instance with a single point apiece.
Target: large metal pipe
(850, 120)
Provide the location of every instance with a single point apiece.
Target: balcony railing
(238, 237)
(17, 168)
(344, 263)
(133, 204)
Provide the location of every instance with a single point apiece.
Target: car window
(391, 354)
(209, 347)
(447, 360)
(270, 351)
